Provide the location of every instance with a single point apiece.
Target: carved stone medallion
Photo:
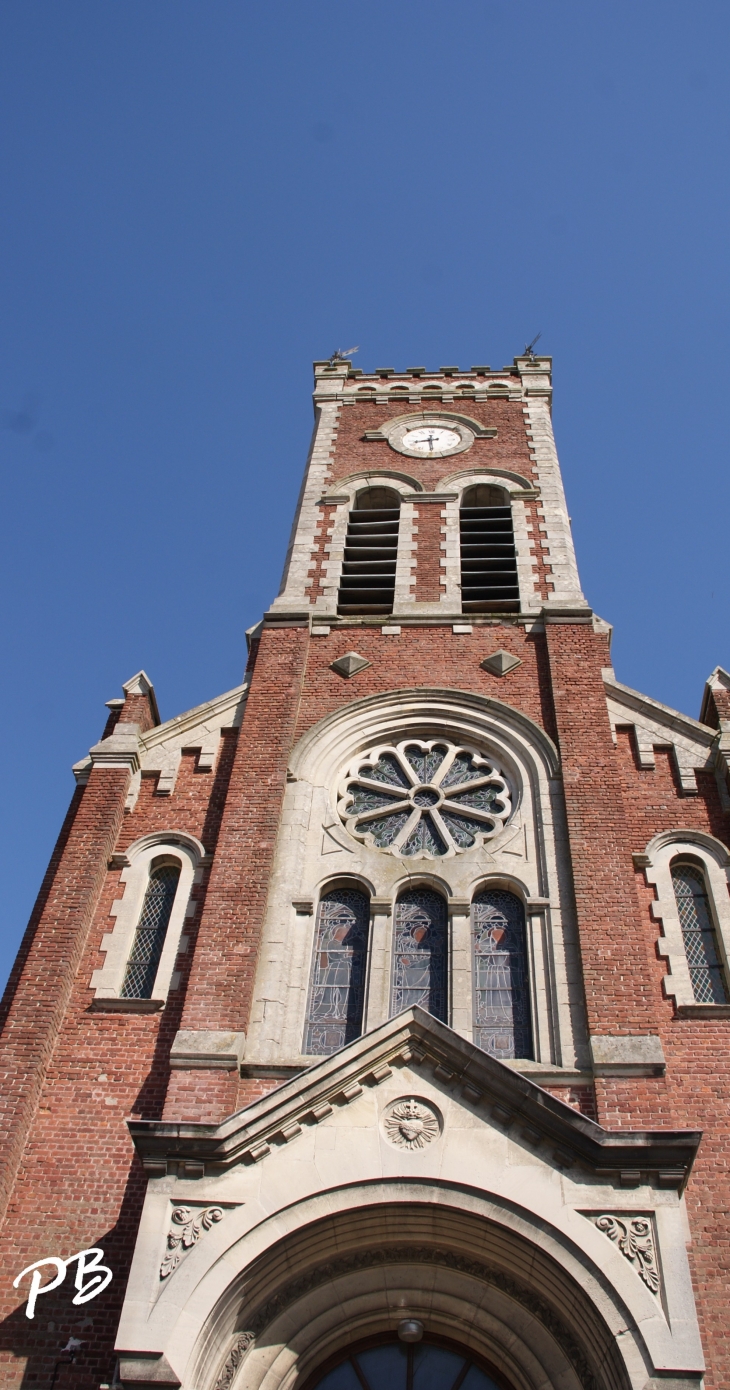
(411, 1123)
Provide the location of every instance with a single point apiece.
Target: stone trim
(388, 1255)
(693, 744)
(376, 712)
(293, 592)
(241, 1344)
(628, 1056)
(193, 1048)
(121, 749)
(152, 1370)
(560, 551)
(107, 982)
(324, 605)
(140, 684)
(714, 858)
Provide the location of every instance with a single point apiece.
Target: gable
(419, 1050)
(658, 726)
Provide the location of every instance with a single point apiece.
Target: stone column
(377, 1003)
(461, 967)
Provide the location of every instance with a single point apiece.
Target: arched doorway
(432, 1363)
(521, 1312)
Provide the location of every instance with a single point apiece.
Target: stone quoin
(372, 1022)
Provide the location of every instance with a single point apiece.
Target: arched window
(149, 938)
(488, 556)
(367, 584)
(420, 954)
(430, 1364)
(698, 934)
(337, 988)
(501, 994)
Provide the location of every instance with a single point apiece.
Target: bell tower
(442, 444)
(371, 1014)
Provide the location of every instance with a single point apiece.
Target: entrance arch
(349, 1278)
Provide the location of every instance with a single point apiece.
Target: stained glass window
(698, 932)
(501, 994)
(336, 993)
(425, 800)
(149, 937)
(397, 1366)
(420, 953)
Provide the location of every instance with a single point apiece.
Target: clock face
(431, 439)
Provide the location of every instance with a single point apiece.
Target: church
(371, 1026)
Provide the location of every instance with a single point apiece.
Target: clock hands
(430, 440)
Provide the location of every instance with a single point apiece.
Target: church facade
(372, 1023)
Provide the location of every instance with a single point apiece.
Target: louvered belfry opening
(371, 550)
(488, 557)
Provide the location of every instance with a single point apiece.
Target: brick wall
(353, 454)
(79, 1183)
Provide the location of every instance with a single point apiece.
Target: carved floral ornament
(635, 1239)
(241, 1344)
(421, 800)
(185, 1231)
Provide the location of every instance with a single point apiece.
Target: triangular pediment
(414, 1039)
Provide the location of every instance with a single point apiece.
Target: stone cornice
(417, 1040)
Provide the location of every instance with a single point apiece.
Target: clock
(431, 439)
(429, 436)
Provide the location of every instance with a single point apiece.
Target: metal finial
(339, 356)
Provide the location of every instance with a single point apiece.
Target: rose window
(424, 800)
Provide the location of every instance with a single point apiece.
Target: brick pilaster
(220, 990)
(619, 986)
(428, 573)
(39, 990)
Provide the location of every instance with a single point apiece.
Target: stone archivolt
(424, 1255)
(241, 1344)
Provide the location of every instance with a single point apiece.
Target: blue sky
(200, 199)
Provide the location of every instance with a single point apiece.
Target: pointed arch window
(709, 985)
(501, 996)
(420, 956)
(149, 938)
(337, 986)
